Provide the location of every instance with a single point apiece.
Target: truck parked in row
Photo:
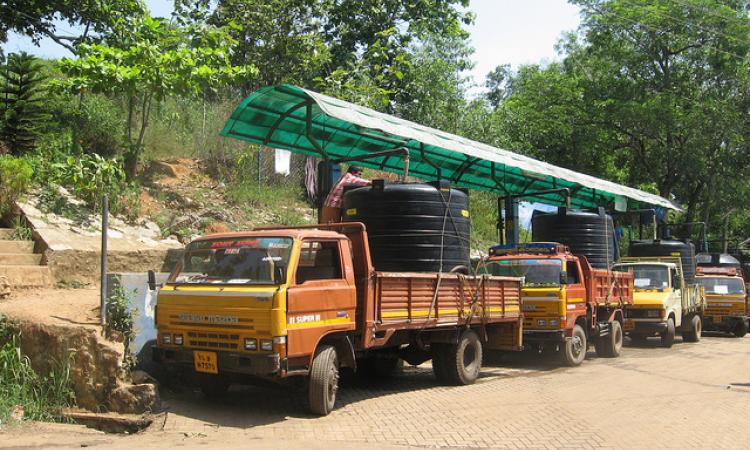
(726, 300)
(663, 302)
(304, 302)
(567, 304)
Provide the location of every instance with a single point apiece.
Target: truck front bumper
(258, 365)
(724, 323)
(644, 328)
(537, 336)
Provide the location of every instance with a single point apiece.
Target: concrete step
(7, 246)
(20, 276)
(6, 233)
(19, 259)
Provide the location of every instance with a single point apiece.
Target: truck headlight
(553, 322)
(166, 339)
(266, 345)
(654, 313)
(177, 339)
(251, 344)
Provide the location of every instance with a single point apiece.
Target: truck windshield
(245, 260)
(722, 286)
(647, 276)
(536, 272)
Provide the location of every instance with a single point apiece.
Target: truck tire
(667, 338)
(694, 333)
(463, 361)
(610, 346)
(573, 352)
(324, 380)
(214, 386)
(740, 330)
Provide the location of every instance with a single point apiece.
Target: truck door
(575, 292)
(322, 296)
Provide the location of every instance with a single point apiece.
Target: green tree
(670, 79)
(21, 99)
(36, 18)
(151, 62)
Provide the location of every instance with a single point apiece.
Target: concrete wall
(143, 301)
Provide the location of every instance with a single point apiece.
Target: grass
(25, 393)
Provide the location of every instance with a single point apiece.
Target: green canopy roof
(303, 121)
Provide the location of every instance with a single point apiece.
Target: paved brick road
(693, 395)
(690, 396)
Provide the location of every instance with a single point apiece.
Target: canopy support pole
(511, 220)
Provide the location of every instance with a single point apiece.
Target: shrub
(15, 178)
(99, 126)
(120, 318)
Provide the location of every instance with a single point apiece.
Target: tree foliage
(153, 61)
(36, 18)
(22, 87)
(651, 93)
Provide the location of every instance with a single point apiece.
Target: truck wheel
(611, 345)
(324, 380)
(214, 386)
(740, 330)
(694, 333)
(573, 352)
(463, 361)
(667, 338)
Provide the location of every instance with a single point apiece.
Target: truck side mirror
(151, 280)
(563, 277)
(278, 274)
(676, 281)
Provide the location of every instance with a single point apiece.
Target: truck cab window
(319, 260)
(572, 270)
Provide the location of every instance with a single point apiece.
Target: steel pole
(105, 226)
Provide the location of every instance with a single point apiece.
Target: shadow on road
(254, 405)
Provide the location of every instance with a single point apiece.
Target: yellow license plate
(206, 362)
(629, 325)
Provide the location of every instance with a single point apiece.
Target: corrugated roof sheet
(300, 120)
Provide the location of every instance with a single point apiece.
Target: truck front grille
(214, 340)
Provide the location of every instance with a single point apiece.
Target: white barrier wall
(142, 300)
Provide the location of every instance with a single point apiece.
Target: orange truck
(302, 303)
(726, 299)
(567, 304)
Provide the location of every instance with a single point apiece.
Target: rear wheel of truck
(694, 332)
(610, 346)
(667, 337)
(324, 380)
(463, 361)
(573, 352)
(740, 330)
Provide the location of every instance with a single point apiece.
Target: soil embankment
(58, 325)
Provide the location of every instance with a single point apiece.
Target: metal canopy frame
(303, 121)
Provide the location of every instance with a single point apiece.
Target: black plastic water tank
(412, 227)
(685, 250)
(717, 260)
(591, 234)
